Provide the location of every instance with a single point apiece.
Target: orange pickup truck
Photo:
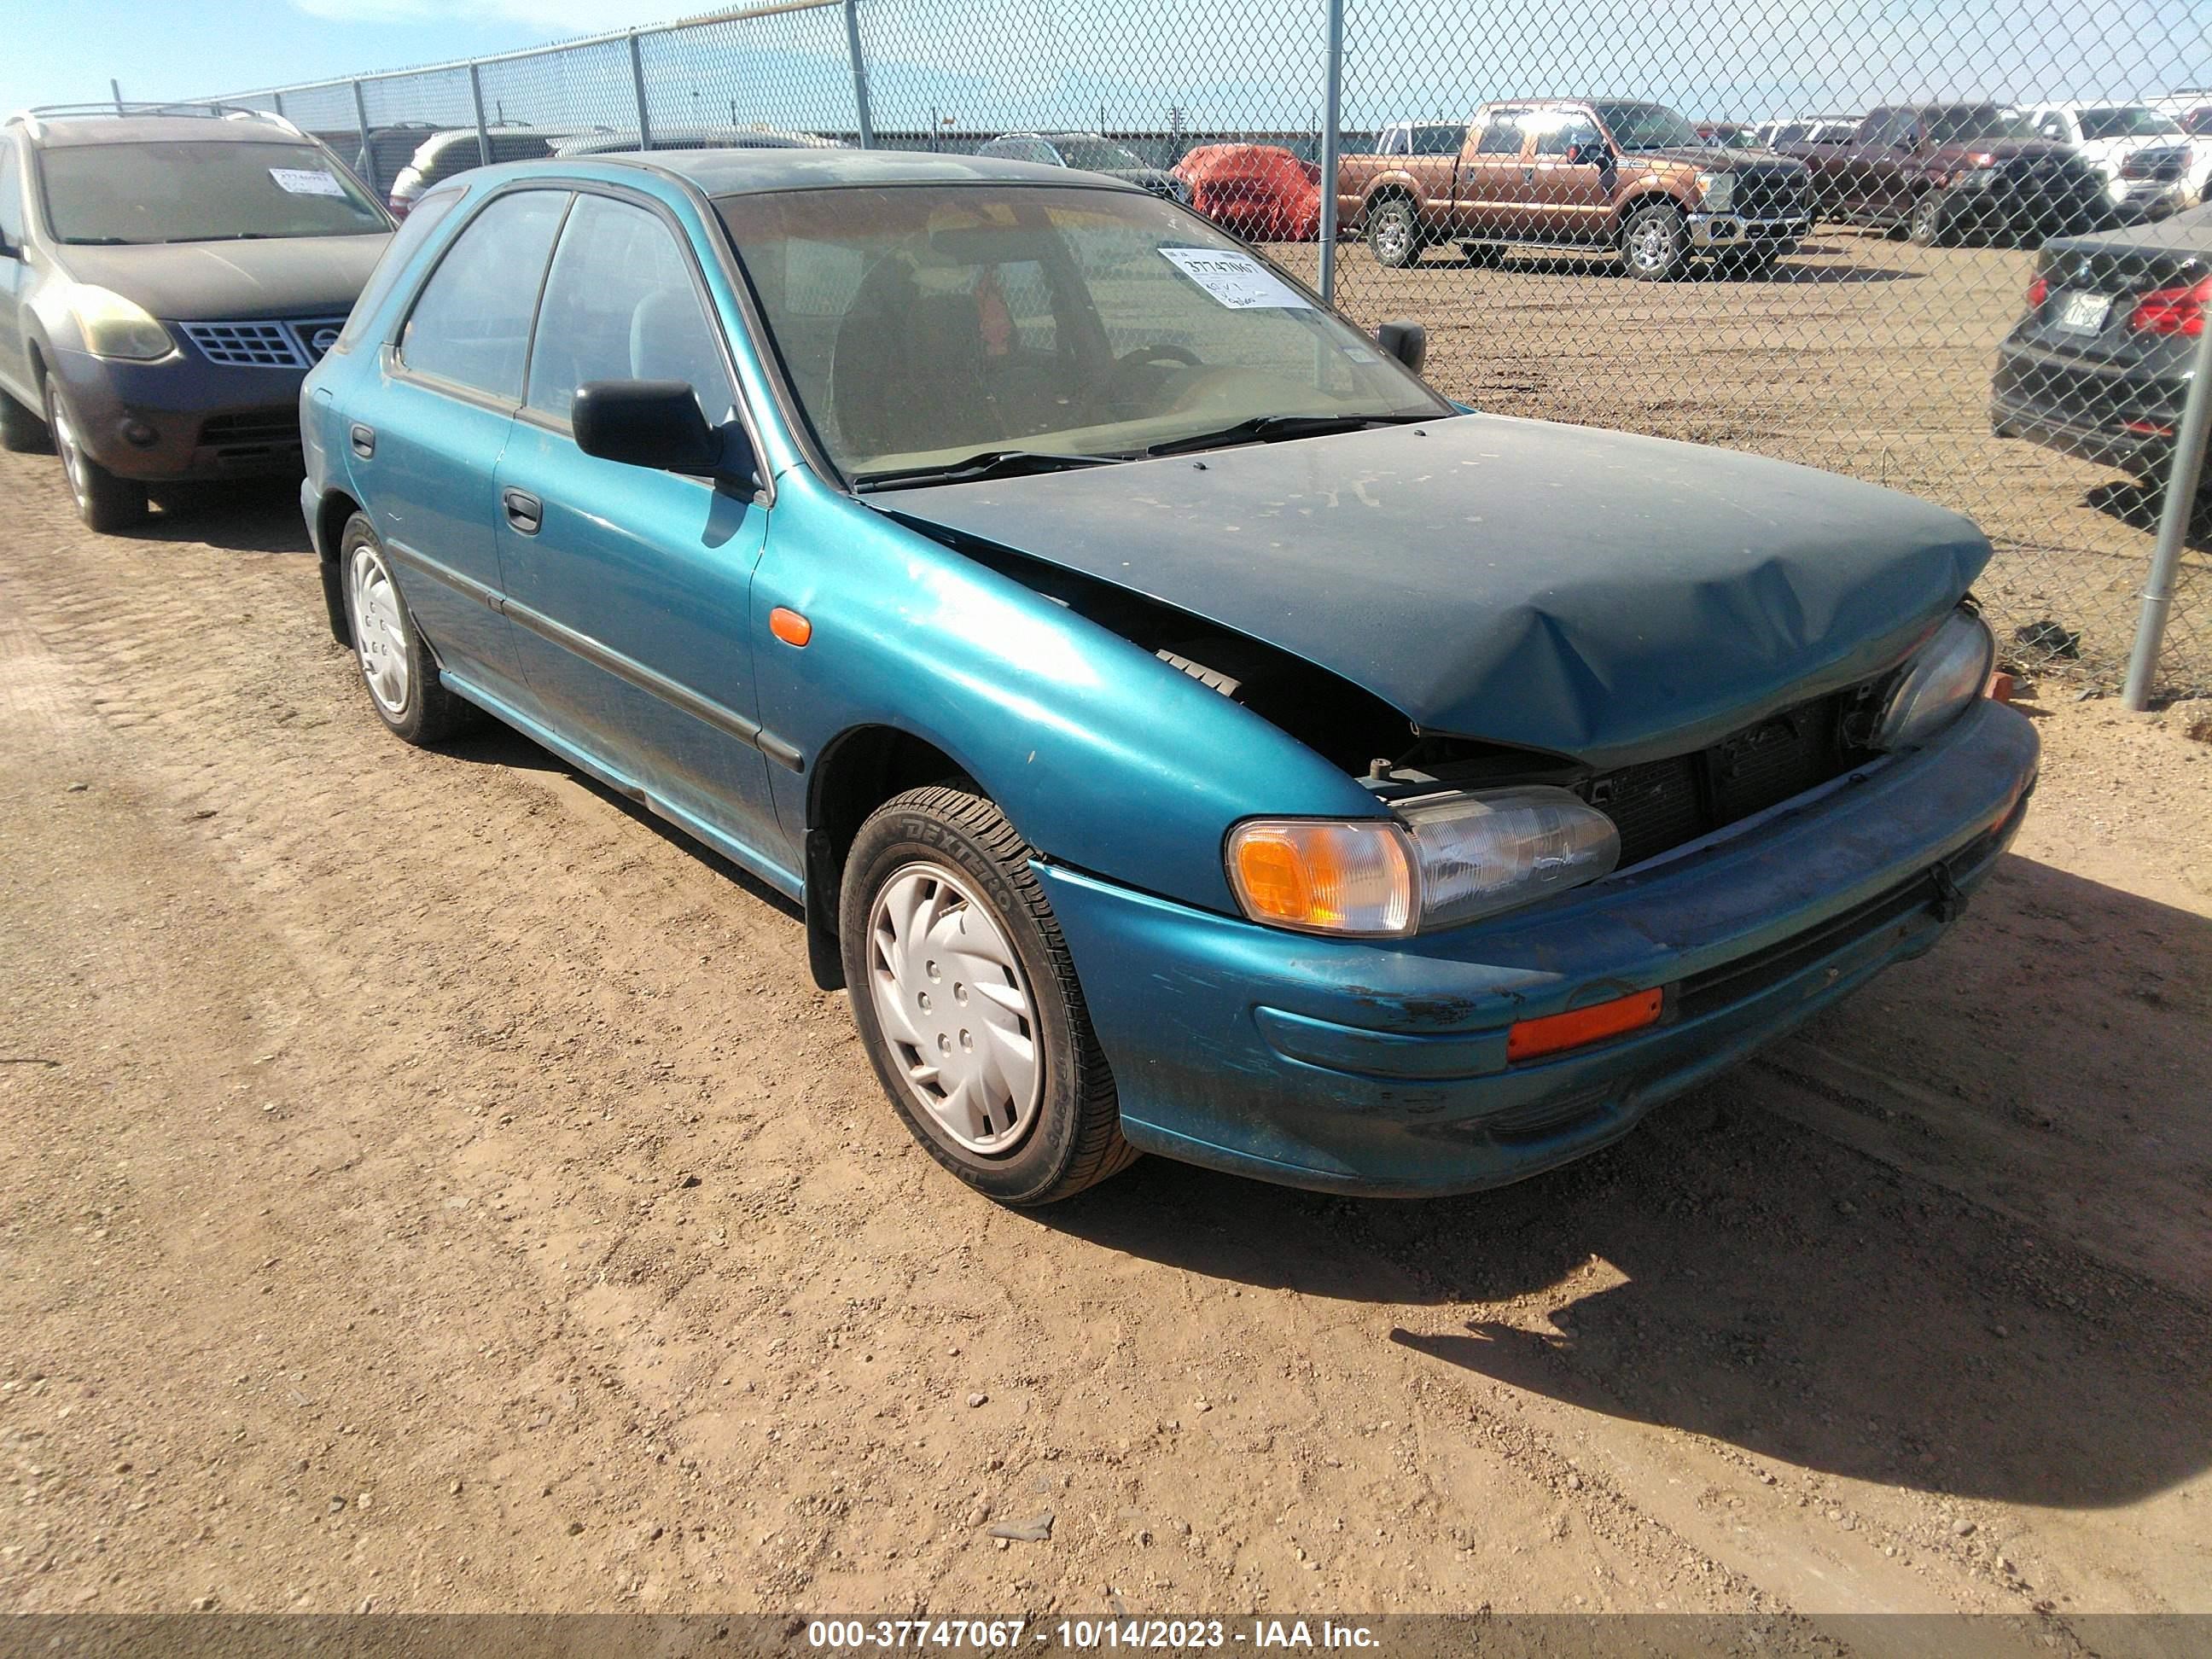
(1632, 178)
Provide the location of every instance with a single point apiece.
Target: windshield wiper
(227, 236)
(1268, 429)
(100, 241)
(990, 464)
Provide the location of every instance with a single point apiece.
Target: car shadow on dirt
(245, 516)
(1729, 1273)
(2139, 505)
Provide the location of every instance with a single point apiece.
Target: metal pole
(116, 86)
(476, 97)
(277, 98)
(1334, 101)
(637, 85)
(860, 73)
(2172, 528)
(368, 154)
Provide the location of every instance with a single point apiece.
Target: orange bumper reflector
(1531, 1038)
(789, 626)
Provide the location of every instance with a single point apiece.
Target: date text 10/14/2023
(1171, 1635)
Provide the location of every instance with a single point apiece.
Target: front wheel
(1394, 233)
(1930, 223)
(1657, 243)
(106, 503)
(966, 1001)
(396, 664)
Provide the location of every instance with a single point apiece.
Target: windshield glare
(1976, 124)
(922, 325)
(200, 190)
(1096, 154)
(1648, 126)
(2128, 123)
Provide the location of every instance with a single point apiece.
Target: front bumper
(2110, 416)
(1355, 1066)
(184, 417)
(1723, 230)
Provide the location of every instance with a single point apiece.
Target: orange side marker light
(1531, 1038)
(789, 626)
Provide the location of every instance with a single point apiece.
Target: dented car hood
(1594, 594)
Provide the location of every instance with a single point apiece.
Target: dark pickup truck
(1631, 178)
(1938, 169)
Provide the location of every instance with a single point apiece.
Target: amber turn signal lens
(1531, 1038)
(1348, 878)
(789, 626)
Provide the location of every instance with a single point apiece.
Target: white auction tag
(306, 181)
(1237, 280)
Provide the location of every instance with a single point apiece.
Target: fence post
(2172, 529)
(860, 73)
(637, 86)
(1334, 100)
(368, 151)
(476, 97)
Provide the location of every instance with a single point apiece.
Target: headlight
(1979, 176)
(1949, 673)
(1437, 864)
(113, 326)
(1716, 190)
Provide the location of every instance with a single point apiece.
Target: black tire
(108, 504)
(22, 430)
(1075, 1138)
(1654, 242)
(426, 713)
(1929, 225)
(1393, 232)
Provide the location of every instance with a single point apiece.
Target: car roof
(67, 132)
(751, 172)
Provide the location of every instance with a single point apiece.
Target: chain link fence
(1932, 245)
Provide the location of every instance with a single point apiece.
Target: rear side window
(11, 195)
(471, 324)
(414, 231)
(1502, 136)
(1439, 140)
(620, 305)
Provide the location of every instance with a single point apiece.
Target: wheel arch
(331, 513)
(1650, 194)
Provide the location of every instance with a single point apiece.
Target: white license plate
(2082, 314)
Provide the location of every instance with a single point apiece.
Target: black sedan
(2100, 365)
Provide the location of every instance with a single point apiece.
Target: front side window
(413, 231)
(620, 305)
(1564, 133)
(471, 324)
(1973, 124)
(921, 325)
(11, 196)
(201, 191)
(1891, 127)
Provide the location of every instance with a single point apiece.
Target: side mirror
(1408, 342)
(654, 423)
(1592, 153)
(8, 249)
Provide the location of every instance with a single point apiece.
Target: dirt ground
(426, 1184)
(1861, 355)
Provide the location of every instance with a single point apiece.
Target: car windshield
(921, 325)
(200, 190)
(1976, 124)
(2128, 121)
(1648, 126)
(1096, 154)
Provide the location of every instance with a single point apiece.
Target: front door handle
(364, 441)
(524, 510)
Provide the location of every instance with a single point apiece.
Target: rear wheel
(1394, 233)
(396, 664)
(106, 503)
(1655, 241)
(21, 429)
(966, 1001)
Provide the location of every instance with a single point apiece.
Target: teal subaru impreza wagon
(1184, 731)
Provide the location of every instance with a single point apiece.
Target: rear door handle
(364, 441)
(524, 510)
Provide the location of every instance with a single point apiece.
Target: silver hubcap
(950, 1000)
(1392, 232)
(72, 452)
(378, 632)
(1653, 245)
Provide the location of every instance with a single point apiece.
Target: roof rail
(38, 113)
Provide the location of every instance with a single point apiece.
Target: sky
(1000, 64)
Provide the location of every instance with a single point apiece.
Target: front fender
(1101, 755)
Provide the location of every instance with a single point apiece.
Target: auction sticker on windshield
(306, 181)
(1237, 280)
